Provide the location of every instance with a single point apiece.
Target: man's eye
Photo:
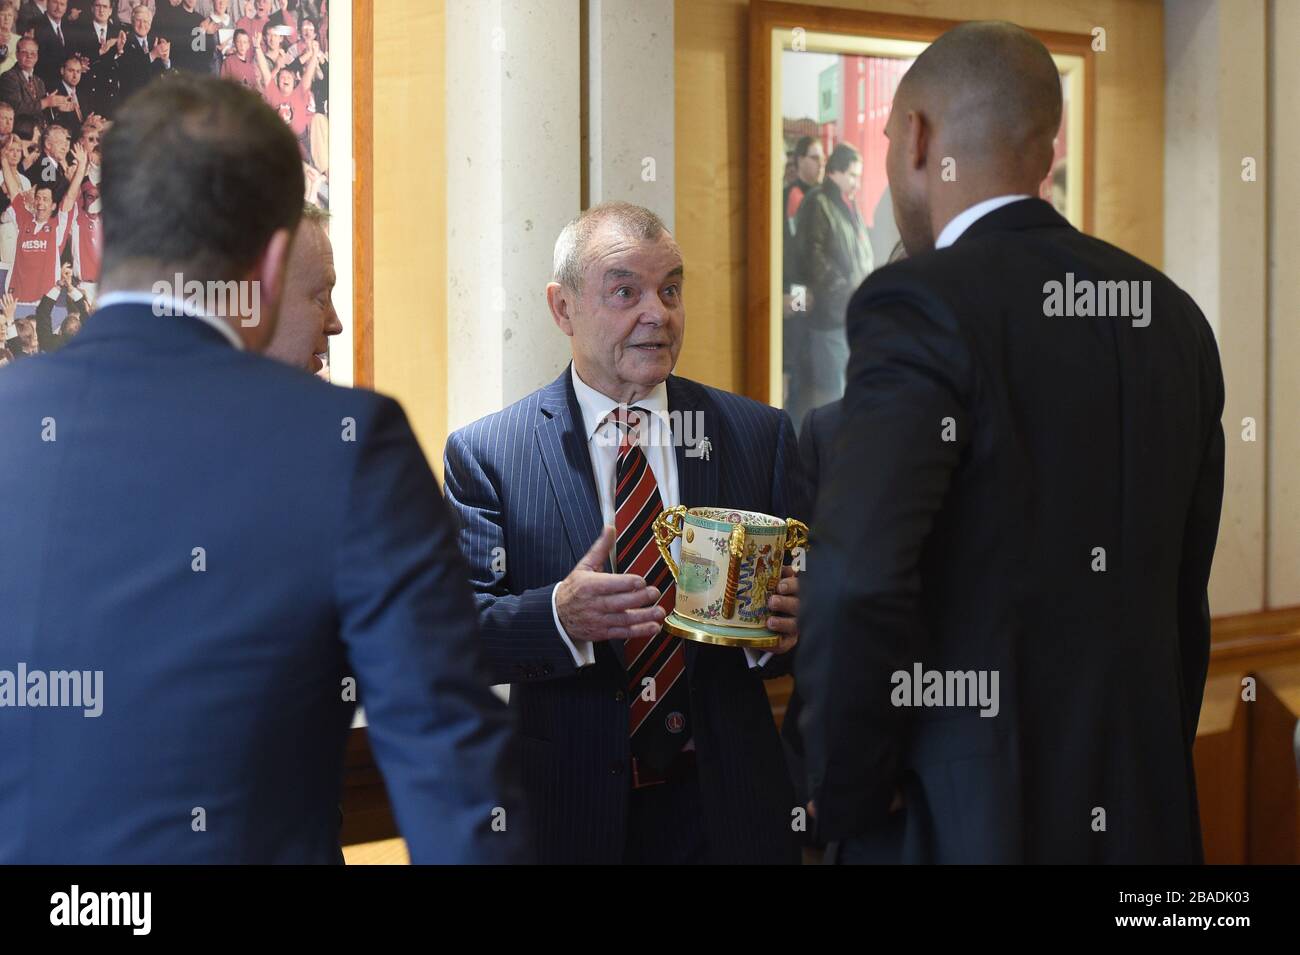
(623, 292)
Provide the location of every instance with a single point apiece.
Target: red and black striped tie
(657, 687)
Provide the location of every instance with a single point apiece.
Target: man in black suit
(1006, 624)
(70, 112)
(693, 771)
(98, 90)
(56, 37)
(97, 34)
(141, 56)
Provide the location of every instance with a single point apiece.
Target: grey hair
(635, 221)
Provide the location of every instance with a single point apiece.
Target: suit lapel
(563, 448)
(697, 474)
(563, 445)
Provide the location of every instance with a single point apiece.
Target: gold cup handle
(736, 547)
(796, 534)
(667, 528)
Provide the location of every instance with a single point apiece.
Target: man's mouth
(651, 346)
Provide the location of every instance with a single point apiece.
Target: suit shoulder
(738, 407)
(514, 417)
(299, 393)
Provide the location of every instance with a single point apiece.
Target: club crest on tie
(675, 722)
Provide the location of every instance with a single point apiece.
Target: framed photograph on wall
(822, 82)
(60, 89)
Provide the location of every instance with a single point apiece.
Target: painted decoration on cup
(730, 561)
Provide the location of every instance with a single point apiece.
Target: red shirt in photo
(87, 244)
(36, 256)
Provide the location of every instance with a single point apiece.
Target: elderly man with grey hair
(639, 747)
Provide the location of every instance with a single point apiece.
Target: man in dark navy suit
(558, 486)
(216, 553)
(1006, 623)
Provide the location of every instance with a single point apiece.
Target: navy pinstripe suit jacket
(521, 482)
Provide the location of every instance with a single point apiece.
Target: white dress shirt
(179, 306)
(602, 445)
(965, 219)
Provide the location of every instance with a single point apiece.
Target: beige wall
(410, 256)
(712, 64)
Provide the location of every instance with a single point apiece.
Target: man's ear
(560, 301)
(918, 138)
(269, 274)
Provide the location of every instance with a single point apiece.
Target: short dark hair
(842, 157)
(198, 174)
(25, 127)
(804, 144)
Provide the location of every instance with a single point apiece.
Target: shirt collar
(596, 407)
(964, 220)
(178, 306)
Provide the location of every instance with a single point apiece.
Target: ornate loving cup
(730, 561)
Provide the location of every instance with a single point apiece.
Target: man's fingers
(597, 585)
(629, 600)
(786, 605)
(783, 625)
(641, 615)
(640, 631)
(597, 556)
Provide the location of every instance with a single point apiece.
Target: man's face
(812, 164)
(141, 20)
(100, 11)
(628, 319)
(26, 329)
(56, 143)
(242, 45)
(848, 180)
(72, 72)
(285, 81)
(6, 120)
(56, 9)
(308, 31)
(908, 191)
(27, 55)
(307, 316)
(7, 21)
(263, 8)
(44, 202)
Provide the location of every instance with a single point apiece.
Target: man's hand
(596, 605)
(8, 305)
(784, 604)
